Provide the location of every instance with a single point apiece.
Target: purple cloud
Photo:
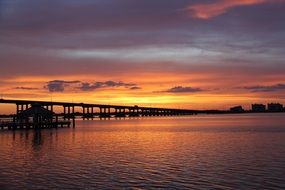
(181, 89)
(108, 84)
(260, 88)
(59, 85)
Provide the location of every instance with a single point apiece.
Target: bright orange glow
(207, 11)
(216, 92)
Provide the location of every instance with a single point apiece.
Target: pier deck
(29, 125)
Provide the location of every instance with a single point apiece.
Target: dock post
(73, 122)
(56, 120)
(83, 111)
(64, 112)
(100, 112)
(68, 109)
(17, 111)
(73, 111)
(88, 112)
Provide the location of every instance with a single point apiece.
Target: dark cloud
(181, 89)
(118, 84)
(260, 88)
(89, 14)
(59, 85)
(108, 84)
(135, 88)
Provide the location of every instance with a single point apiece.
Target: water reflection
(37, 140)
(245, 152)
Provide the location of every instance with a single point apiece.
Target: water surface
(198, 152)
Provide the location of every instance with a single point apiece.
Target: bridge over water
(87, 111)
(69, 111)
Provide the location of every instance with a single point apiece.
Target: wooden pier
(30, 125)
(34, 117)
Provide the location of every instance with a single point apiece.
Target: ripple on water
(209, 152)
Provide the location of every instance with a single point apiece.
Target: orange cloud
(207, 11)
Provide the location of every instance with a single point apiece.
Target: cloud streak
(261, 88)
(181, 89)
(108, 84)
(61, 85)
(213, 9)
(25, 88)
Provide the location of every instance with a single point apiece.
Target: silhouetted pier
(33, 117)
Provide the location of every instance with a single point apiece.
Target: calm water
(198, 152)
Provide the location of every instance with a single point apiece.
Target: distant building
(258, 108)
(275, 107)
(237, 109)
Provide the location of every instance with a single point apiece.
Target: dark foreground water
(198, 152)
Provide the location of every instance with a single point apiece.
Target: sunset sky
(196, 54)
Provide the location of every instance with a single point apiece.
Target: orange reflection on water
(146, 152)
